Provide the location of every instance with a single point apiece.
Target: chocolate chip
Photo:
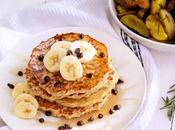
(41, 120)
(80, 123)
(57, 83)
(20, 73)
(40, 58)
(114, 91)
(79, 55)
(120, 81)
(69, 52)
(77, 51)
(117, 107)
(66, 126)
(81, 35)
(89, 75)
(100, 116)
(102, 55)
(48, 113)
(46, 79)
(111, 111)
(61, 128)
(11, 86)
(91, 119)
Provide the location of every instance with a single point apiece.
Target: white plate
(128, 66)
(160, 46)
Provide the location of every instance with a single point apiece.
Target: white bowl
(146, 42)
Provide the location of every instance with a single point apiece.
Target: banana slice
(20, 88)
(52, 59)
(86, 48)
(25, 110)
(61, 44)
(26, 98)
(71, 68)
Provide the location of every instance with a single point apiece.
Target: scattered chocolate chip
(117, 107)
(69, 52)
(66, 126)
(79, 55)
(81, 35)
(40, 58)
(102, 55)
(80, 123)
(91, 119)
(61, 128)
(77, 51)
(114, 91)
(120, 81)
(57, 83)
(20, 73)
(11, 86)
(89, 75)
(46, 79)
(100, 116)
(41, 120)
(111, 111)
(48, 113)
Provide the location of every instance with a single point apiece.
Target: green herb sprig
(170, 106)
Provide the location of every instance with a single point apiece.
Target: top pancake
(99, 67)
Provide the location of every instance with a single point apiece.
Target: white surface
(146, 42)
(130, 101)
(166, 67)
(164, 61)
(9, 6)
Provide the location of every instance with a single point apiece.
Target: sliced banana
(20, 88)
(52, 59)
(86, 48)
(61, 44)
(26, 98)
(25, 110)
(71, 68)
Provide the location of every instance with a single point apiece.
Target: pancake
(36, 71)
(71, 99)
(83, 102)
(33, 84)
(59, 110)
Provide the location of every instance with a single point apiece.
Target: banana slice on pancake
(71, 68)
(88, 51)
(61, 44)
(52, 59)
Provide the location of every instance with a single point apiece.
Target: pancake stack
(71, 99)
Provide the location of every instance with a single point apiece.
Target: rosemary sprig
(172, 119)
(170, 105)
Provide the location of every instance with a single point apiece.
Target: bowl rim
(121, 25)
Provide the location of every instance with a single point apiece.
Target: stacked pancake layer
(71, 98)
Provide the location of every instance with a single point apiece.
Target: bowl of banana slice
(151, 23)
